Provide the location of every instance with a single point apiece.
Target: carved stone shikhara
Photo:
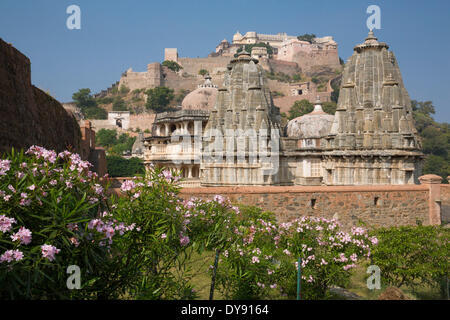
(371, 140)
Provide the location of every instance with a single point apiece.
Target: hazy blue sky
(116, 35)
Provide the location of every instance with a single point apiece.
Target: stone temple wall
(377, 206)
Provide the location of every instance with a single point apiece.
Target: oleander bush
(47, 202)
(263, 260)
(55, 212)
(413, 255)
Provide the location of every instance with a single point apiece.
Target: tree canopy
(172, 65)
(108, 139)
(300, 108)
(88, 105)
(435, 139)
(158, 99)
(307, 37)
(121, 167)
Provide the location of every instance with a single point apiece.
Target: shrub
(172, 65)
(47, 204)
(307, 37)
(300, 108)
(121, 167)
(124, 89)
(159, 98)
(412, 255)
(262, 259)
(119, 104)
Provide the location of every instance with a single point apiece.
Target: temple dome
(202, 98)
(237, 36)
(315, 124)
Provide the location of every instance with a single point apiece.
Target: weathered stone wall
(445, 203)
(308, 56)
(377, 206)
(285, 103)
(29, 116)
(194, 65)
(142, 121)
(286, 67)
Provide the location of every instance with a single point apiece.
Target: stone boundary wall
(285, 103)
(194, 65)
(29, 116)
(376, 206)
(445, 203)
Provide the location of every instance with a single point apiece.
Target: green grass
(358, 286)
(201, 280)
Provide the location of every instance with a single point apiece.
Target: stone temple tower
(241, 138)
(373, 139)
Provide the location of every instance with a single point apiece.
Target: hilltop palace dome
(202, 98)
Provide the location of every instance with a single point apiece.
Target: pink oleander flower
(23, 235)
(255, 259)
(53, 182)
(287, 252)
(220, 199)
(184, 240)
(10, 187)
(49, 251)
(25, 202)
(6, 223)
(127, 185)
(349, 266)
(273, 286)
(74, 241)
(163, 236)
(374, 240)
(11, 255)
(32, 187)
(5, 165)
(167, 175)
(98, 189)
(7, 197)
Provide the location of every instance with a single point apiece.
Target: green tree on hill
(158, 99)
(300, 108)
(108, 139)
(435, 139)
(172, 65)
(203, 72)
(307, 37)
(119, 104)
(88, 105)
